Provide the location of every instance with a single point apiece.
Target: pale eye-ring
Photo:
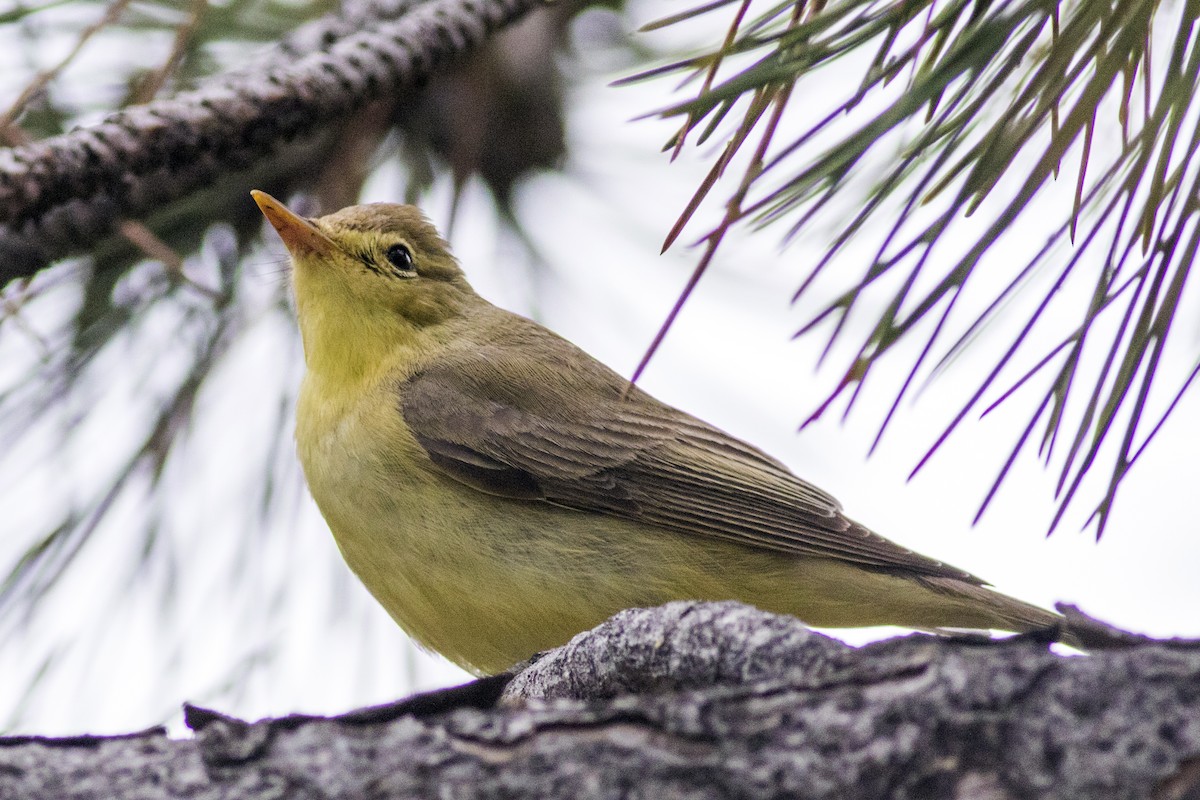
(400, 257)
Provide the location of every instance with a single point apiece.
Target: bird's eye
(400, 257)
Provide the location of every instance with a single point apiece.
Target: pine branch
(695, 701)
(63, 194)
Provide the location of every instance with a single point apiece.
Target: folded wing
(520, 430)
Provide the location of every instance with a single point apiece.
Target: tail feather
(986, 608)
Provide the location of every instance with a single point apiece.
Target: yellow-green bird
(499, 490)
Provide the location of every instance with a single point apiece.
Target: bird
(499, 490)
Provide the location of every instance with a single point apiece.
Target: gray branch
(62, 194)
(697, 701)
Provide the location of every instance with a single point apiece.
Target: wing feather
(519, 430)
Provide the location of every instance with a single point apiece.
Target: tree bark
(695, 700)
(61, 195)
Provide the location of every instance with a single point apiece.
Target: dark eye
(400, 257)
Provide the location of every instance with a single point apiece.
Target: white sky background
(320, 644)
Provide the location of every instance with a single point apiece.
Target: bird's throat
(348, 349)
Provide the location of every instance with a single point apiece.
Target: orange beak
(299, 235)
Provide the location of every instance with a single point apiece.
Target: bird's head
(368, 279)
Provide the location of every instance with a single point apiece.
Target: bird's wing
(518, 429)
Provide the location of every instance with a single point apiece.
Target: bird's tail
(990, 609)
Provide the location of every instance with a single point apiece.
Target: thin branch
(41, 80)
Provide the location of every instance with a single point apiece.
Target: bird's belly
(487, 587)
(488, 584)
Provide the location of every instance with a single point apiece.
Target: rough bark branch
(726, 701)
(62, 194)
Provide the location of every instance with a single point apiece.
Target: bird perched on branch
(499, 490)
